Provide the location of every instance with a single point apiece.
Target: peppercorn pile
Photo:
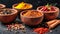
(5, 12)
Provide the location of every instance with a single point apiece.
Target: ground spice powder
(41, 30)
(32, 14)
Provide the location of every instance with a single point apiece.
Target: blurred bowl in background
(50, 15)
(7, 15)
(2, 6)
(20, 10)
(30, 7)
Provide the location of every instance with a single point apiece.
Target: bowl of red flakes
(50, 12)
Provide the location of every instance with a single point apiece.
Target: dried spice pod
(59, 21)
(53, 23)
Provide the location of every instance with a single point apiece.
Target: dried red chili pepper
(41, 30)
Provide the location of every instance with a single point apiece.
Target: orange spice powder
(32, 14)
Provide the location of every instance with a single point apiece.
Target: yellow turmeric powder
(32, 14)
(23, 5)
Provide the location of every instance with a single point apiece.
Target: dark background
(35, 3)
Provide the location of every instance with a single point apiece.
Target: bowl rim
(11, 13)
(56, 10)
(13, 6)
(3, 6)
(31, 17)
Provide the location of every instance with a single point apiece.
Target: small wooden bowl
(14, 5)
(31, 21)
(20, 10)
(2, 6)
(50, 15)
(8, 17)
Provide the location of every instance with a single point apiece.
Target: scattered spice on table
(41, 30)
(51, 31)
(31, 13)
(13, 27)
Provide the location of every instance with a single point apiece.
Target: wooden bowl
(20, 10)
(2, 6)
(31, 21)
(50, 15)
(8, 17)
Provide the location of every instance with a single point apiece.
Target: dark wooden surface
(29, 30)
(35, 4)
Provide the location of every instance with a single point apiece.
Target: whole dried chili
(41, 30)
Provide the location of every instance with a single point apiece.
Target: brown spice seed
(16, 27)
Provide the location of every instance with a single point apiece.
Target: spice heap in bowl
(22, 6)
(7, 15)
(31, 17)
(50, 12)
